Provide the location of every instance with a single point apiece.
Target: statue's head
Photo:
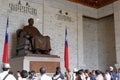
(31, 21)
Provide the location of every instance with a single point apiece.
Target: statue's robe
(39, 42)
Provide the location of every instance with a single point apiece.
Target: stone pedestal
(35, 62)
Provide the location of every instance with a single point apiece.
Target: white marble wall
(99, 43)
(117, 31)
(106, 43)
(90, 43)
(56, 30)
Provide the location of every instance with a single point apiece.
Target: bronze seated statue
(30, 40)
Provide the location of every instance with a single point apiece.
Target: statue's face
(31, 21)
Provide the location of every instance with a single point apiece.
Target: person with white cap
(112, 73)
(6, 75)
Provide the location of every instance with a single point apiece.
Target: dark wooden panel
(50, 66)
(94, 3)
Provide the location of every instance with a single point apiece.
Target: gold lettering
(23, 9)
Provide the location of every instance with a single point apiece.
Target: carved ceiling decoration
(94, 3)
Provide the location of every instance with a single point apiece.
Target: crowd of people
(81, 74)
(31, 75)
(109, 74)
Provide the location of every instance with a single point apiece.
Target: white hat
(6, 65)
(75, 70)
(111, 68)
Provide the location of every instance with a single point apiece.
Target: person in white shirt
(69, 75)
(75, 71)
(107, 75)
(99, 76)
(18, 75)
(43, 74)
(6, 74)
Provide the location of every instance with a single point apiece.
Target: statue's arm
(26, 34)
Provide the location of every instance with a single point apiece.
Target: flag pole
(66, 57)
(5, 50)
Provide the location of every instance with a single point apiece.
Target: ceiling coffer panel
(94, 3)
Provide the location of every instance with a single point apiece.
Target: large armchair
(23, 46)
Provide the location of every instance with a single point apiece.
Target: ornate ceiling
(94, 3)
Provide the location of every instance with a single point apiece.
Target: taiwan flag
(66, 57)
(5, 51)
